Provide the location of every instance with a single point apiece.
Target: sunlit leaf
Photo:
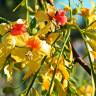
(9, 41)
(4, 28)
(3, 55)
(19, 54)
(21, 39)
(45, 30)
(32, 68)
(94, 54)
(52, 37)
(33, 65)
(34, 92)
(92, 21)
(41, 16)
(45, 68)
(92, 44)
(2, 59)
(27, 74)
(91, 35)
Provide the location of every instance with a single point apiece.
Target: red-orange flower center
(18, 29)
(60, 17)
(33, 43)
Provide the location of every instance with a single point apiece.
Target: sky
(59, 3)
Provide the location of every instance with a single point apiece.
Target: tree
(40, 46)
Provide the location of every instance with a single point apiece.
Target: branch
(80, 61)
(35, 76)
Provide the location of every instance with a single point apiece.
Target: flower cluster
(60, 17)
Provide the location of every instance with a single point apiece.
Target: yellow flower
(46, 84)
(64, 71)
(89, 90)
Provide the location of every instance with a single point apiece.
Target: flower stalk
(65, 40)
(27, 13)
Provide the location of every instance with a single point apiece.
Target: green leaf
(0, 38)
(44, 92)
(32, 30)
(3, 20)
(59, 88)
(72, 90)
(33, 23)
(8, 90)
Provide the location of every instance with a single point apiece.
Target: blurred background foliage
(14, 87)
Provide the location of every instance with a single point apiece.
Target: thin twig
(27, 13)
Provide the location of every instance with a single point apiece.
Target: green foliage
(32, 27)
(3, 20)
